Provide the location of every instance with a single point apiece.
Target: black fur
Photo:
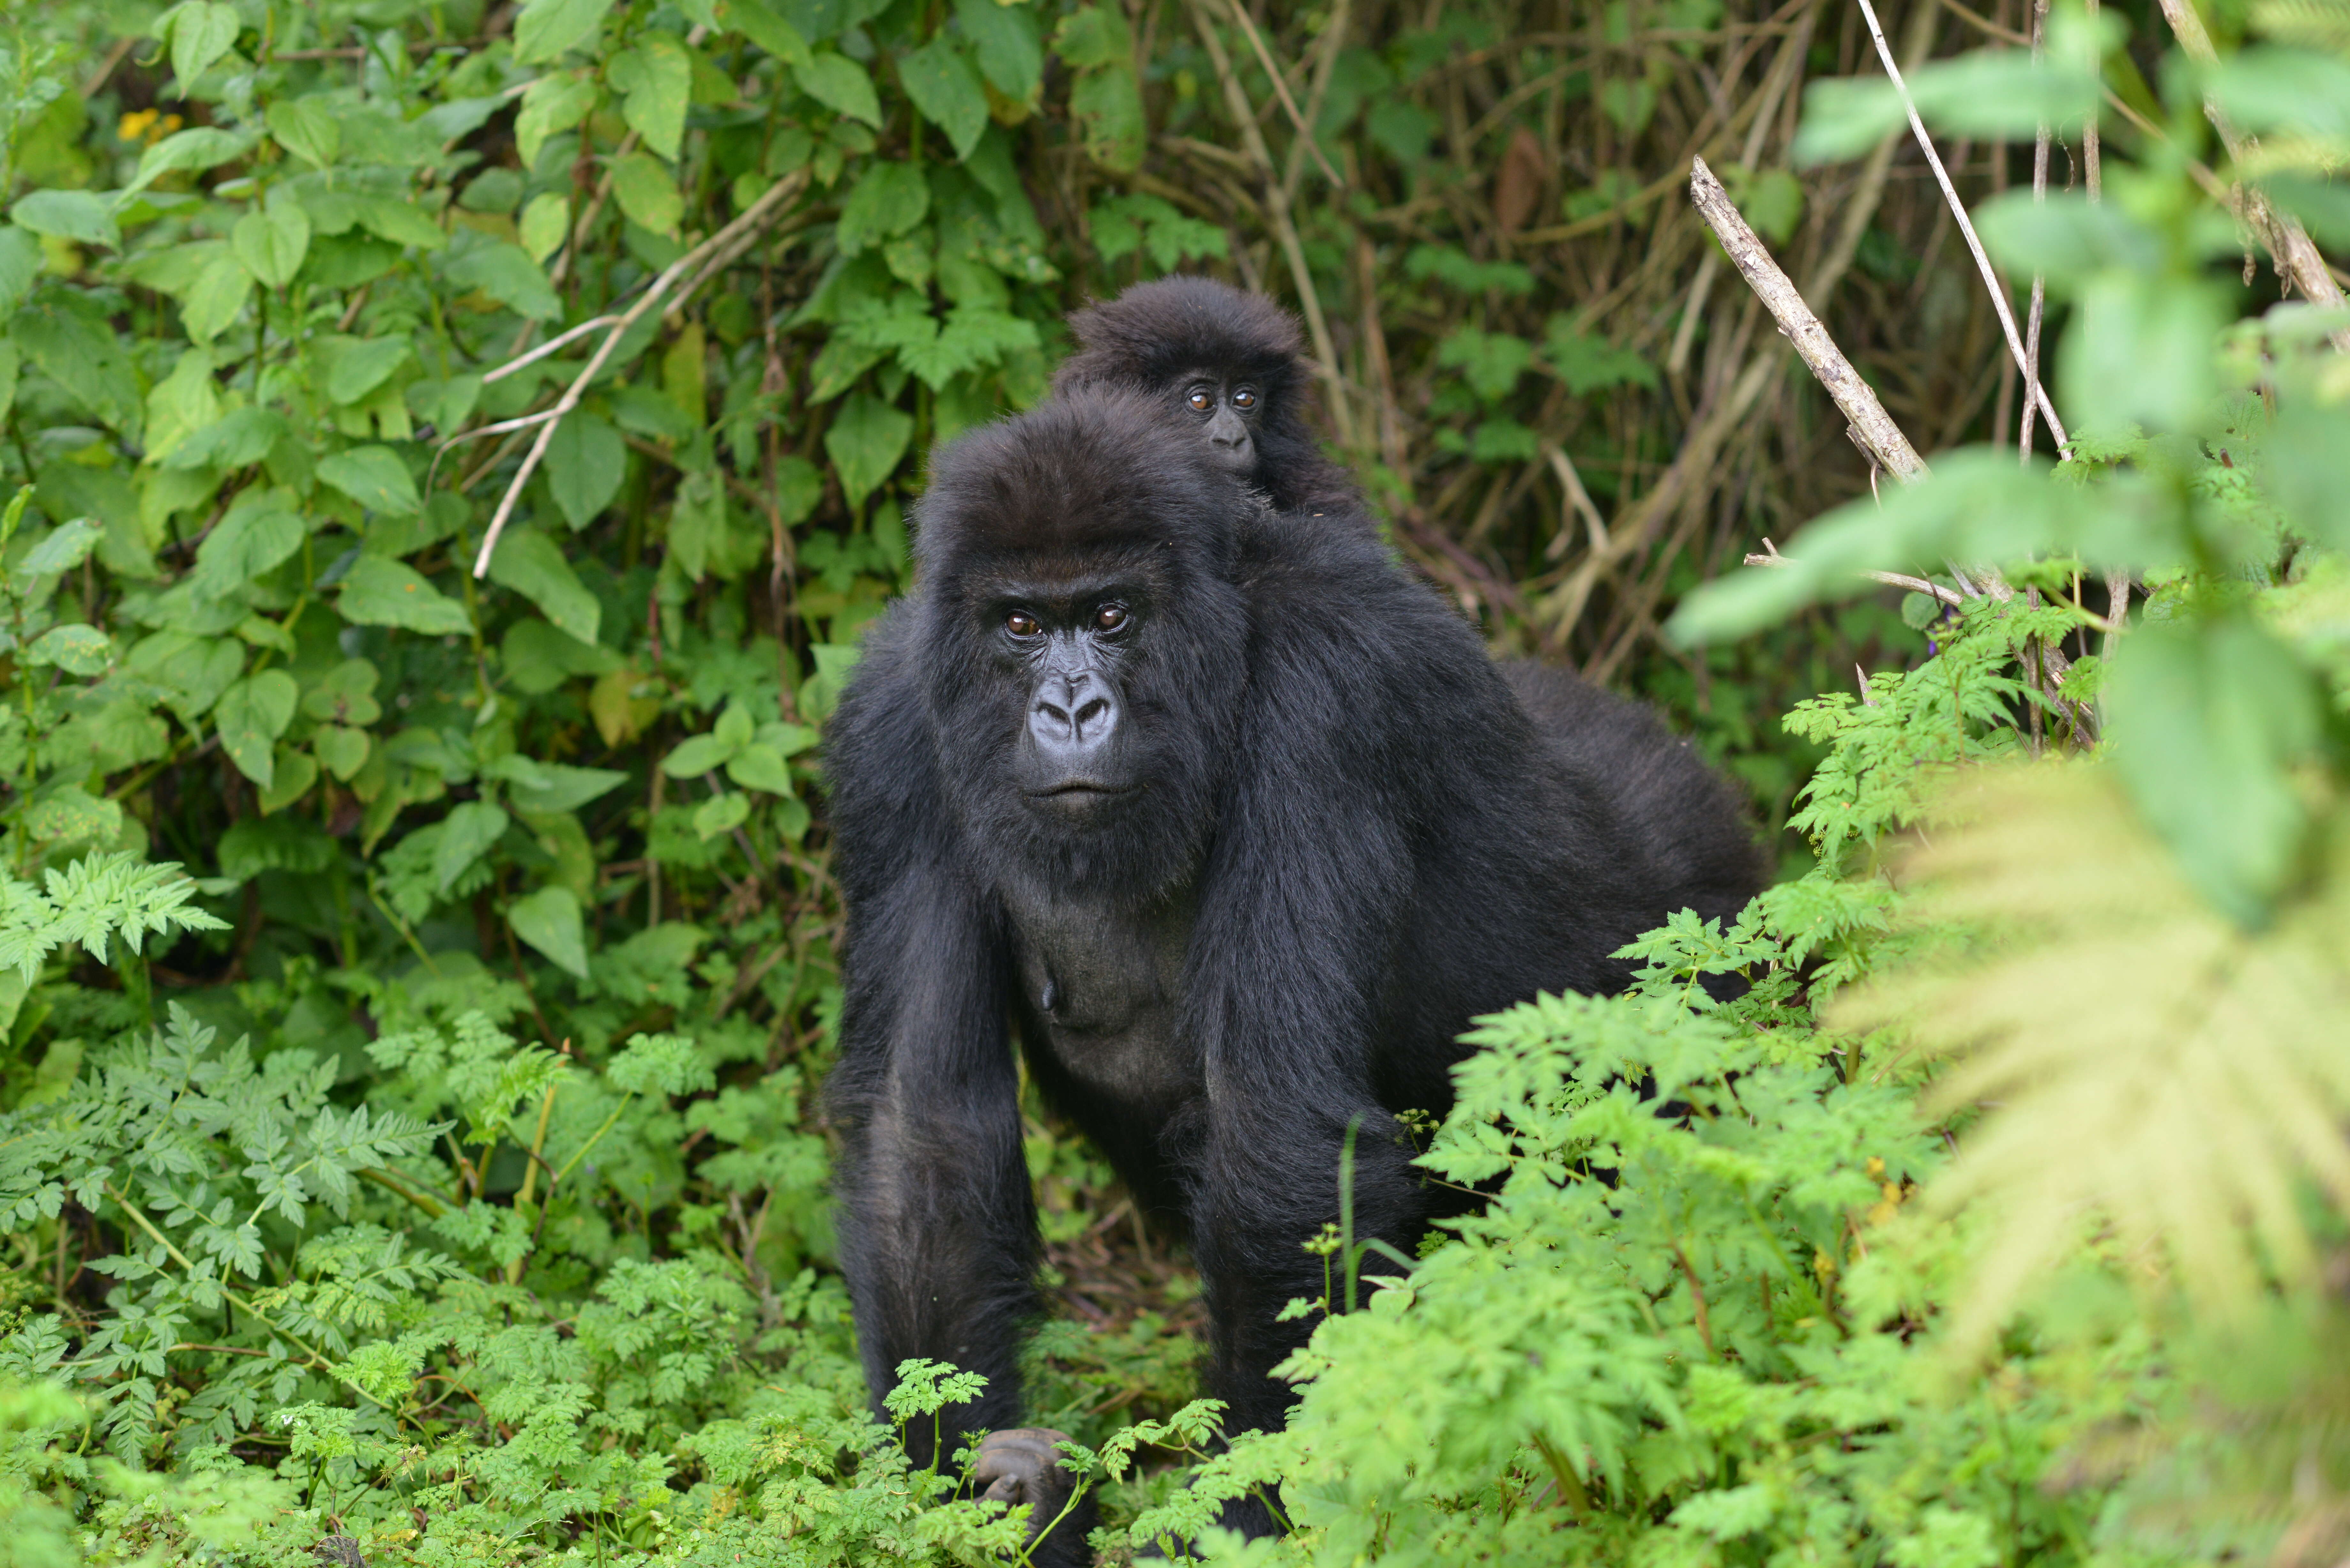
(1156, 337)
(1351, 837)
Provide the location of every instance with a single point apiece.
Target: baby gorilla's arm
(1024, 1466)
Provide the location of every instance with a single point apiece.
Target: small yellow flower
(134, 125)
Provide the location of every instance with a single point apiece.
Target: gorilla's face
(1079, 753)
(1229, 410)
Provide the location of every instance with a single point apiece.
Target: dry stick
(1887, 448)
(711, 255)
(1276, 212)
(2039, 280)
(1951, 596)
(2288, 243)
(1281, 89)
(1966, 227)
(1334, 36)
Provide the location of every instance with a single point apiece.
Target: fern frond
(2146, 1062)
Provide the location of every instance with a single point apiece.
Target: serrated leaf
(76, 649)
(505, 273)
(399, 221)
(375, 477)
(343, 750)
(20, 263)
(864, 442)
(533, 565)
(550, 921)
(757, 768)
(546, 225)
(551, 105)
(840, 84)
(248, 542)
(379, 592)
(721, 815)
(585, 461)
(80, 215)
(696, 756)
(655, 79)
(272, 244)
(240, 438)
(466, 836)
(546, 28)
(1106, 106)
(62, 551)
(889, 198)
(215, 298)
(1011, 52)
(759, 22)
(945, 88)
(307, 128)
(648, 193)
(202, 31)
(250, 716)
(201, 148)
(357, 366)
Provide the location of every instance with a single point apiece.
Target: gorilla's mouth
(1080, 790)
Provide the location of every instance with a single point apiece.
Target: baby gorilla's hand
(1023, 1466)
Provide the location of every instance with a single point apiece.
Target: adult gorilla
(1236, 825)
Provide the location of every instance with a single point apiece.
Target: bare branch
(1885, 442)
(1967, 228)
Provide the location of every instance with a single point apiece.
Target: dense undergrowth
(415, 985)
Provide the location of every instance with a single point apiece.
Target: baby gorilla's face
(1227, 411)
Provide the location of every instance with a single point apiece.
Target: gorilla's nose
(1073, 717)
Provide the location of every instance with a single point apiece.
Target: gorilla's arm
(938, 1228)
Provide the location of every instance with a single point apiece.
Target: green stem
(591, 1143)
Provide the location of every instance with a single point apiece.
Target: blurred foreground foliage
(414, 984)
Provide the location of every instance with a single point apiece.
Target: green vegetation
(414, 982)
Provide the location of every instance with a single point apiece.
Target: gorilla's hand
(1023, 1465)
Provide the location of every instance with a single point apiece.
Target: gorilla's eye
(1019, 623)
(1200, 398)
(1110, 617)
(1243, 397)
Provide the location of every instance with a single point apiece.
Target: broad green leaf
(81, 215)
(202, 148)
(538, 659)
(735, 728)
(62, 551)
(547, 27)
(550, 921)
(271, 243)
(506, 273)
(20, 263)
(402, 222)
(655, 79)
(548, 788)
(840, 84)
(546, 225)
(76, 649)
(342, 750)
(201, 32)
(697, 525)
(2208, 721)
(551, 105)
(533, 565)
(307, 128)
(379, 592)
(1107, 104)
(216, 297)
(691, 758)
(1011, 52)
(248, 542)
(292, 773)
(864, 442)
(2140, 352)
(757, 767)
(2067, 236)
(237, 440)
(889, 198)
(648, 193)
(1093, 37)
(466, 836)
(2308, 469)
(346, 694)
(250, 716)
(756, 21)
(356, 366)
(721, 813)
(585, 461)
(946, 88)
(375, 477)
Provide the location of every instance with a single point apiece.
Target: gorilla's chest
(1107, 985)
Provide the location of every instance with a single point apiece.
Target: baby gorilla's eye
(1019, 623)
(1199, 399)
(1110, 617)
(1244, 397)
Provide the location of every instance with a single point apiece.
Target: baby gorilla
(1233, 824)
(1226, 362)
